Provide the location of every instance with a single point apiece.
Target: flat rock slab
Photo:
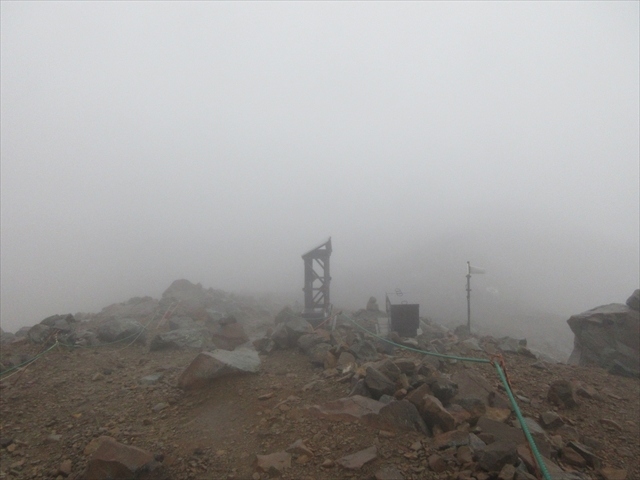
(358, 459)
(208, 366)
(348, 408)
(273, 464)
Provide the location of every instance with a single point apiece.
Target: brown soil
(53, 408)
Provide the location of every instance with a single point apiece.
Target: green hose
(523, 424)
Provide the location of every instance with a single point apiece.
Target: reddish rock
(115, 460)
(434, 414)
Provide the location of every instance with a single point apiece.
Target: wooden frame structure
(317, 278)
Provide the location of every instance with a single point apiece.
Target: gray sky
(145, 142)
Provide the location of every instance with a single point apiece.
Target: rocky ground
(52, 410)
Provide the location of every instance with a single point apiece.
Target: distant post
(469, 297)
(470, 270)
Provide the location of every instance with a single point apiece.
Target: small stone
(328, 463)
(158, 407)
(507, 472)
(97, 376)
(65, 468)
(266, 396)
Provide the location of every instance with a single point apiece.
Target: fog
(151, 141)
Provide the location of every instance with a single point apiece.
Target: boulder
(208, 366)
(608, 336)
(121, 329)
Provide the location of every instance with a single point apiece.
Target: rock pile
(468, 420)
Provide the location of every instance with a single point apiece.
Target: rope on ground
(498, 362)
(24, 365)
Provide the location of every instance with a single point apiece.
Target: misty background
(218, 142)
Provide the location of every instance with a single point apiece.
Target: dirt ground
(50, 411)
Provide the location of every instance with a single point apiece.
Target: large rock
(607, 336)
(115, 460)
(121, 329)
(208, 366)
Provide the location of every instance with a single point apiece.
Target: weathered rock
(358, 459)
(507, 472)
(178, 339)
(318, 353)
(364, 350)
(229, 336)
(472, 404)
(551, 420)
(181, 321)
(500, 430)
(138, 308)
(399, 416)
(562, 393)
(436, 463)
(211, 365)
(39, 333)
(405, 365)
(378, 383)
(496, 455)
(388, 368)
(472, 384)
(454, 438)
(606, 335)
(591, 458)
(443, 389)
(273, 464)
(395, 416)
(360, 388)
(434, 414)
(121, 329)
(115, 460)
